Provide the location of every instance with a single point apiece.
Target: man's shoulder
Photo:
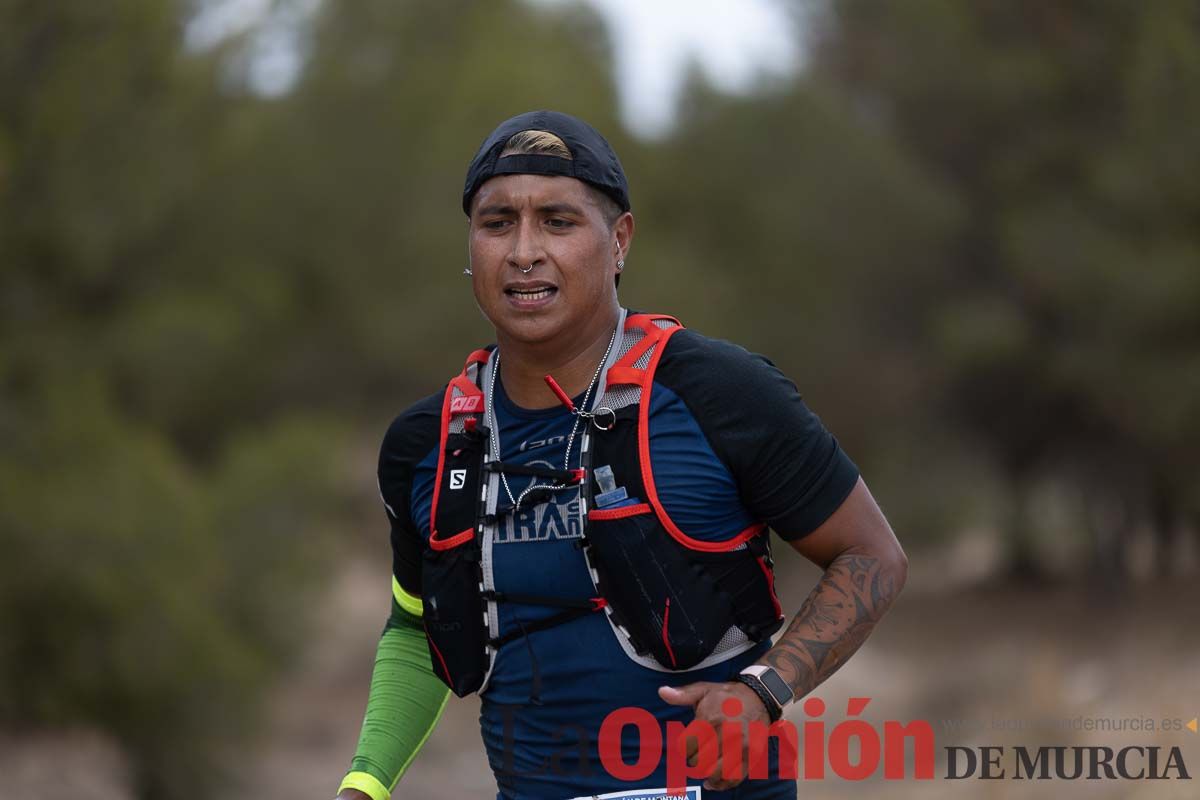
(688, 344)
(415, 430)
(713, 368)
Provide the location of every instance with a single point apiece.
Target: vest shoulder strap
(633, 374)
(644, 339)
(462, 409)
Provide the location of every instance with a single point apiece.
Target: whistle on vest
(610, 494)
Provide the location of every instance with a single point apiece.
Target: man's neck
(523, 368)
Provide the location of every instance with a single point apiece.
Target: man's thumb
(687, 695)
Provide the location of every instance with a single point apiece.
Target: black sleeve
(789, 469)
(409, 439)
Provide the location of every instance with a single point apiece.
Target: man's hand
(711, 703)
(351, 794)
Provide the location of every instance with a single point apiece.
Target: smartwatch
(771, 684)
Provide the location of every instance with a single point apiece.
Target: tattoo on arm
(834, 621)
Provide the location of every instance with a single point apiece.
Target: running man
(579, 518)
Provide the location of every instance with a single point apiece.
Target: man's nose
(527, 246)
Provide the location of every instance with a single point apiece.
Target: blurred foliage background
(969, 231)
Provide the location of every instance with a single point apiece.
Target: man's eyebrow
(560, 208)
(495, 209)
(547, 208)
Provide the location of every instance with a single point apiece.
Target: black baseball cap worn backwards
(593, 160)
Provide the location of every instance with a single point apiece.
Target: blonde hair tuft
(536, 143)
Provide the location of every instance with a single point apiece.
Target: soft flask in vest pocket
(454, 611)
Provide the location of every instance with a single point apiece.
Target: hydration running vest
(672, 601)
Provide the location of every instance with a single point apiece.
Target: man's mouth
(537, 293)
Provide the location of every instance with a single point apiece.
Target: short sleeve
(409, 438)
(790, 471)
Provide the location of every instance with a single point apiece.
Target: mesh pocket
(657, 593)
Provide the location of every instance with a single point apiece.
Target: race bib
(691, 793)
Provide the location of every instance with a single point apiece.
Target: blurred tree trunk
(1163, 525)
(1024, 567)
(1109, 519)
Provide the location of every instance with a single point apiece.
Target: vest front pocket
(455, 621)
(660, 596)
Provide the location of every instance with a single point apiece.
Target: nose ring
(527, 270)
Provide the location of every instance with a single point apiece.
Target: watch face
(776, 686)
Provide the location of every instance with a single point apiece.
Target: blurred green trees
(162, 522)
(969, 232)
(1064, 325)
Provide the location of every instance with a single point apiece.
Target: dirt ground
(1000, 661)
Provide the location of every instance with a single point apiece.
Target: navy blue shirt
(731, 445)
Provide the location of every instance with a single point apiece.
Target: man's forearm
(405, 702)
(839, 614)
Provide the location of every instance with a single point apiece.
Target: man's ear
(623, 232)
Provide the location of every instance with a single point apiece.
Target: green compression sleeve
(404, 705)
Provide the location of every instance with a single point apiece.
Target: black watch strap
(774, 710)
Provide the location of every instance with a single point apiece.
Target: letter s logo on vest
(458, 478)
(466, 405)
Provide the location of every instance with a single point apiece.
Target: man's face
(553, 223)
